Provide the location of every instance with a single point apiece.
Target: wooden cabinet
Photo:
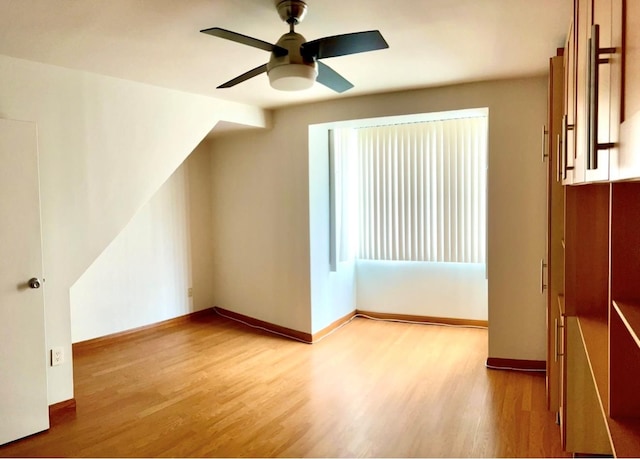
(585, 299)
(599, 316)
(555, 219)
(626, 163)
(624, 319)
(559, 357)
(594, 90)
(594, 273)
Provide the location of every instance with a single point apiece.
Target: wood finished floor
(212, 387)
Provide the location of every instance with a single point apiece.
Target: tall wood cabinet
(555, 220)
(594, 232)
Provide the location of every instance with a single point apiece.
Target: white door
(23, 358)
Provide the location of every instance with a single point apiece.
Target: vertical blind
(343, 233)
(422, 191)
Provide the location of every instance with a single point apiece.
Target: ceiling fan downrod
(292, 11)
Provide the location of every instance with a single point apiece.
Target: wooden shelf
(595, 336)
(624, 432)
(624, 371)
(625, 436)
(630, 315)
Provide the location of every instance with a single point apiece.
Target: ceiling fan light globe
(292, 77)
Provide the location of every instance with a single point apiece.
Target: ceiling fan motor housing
(292, 11)
(291, 72)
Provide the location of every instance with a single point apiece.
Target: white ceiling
(431, 42)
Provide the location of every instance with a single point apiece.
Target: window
(419, 189)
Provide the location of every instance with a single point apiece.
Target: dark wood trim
(288, 332)
(509, 364)
(114, 337)
(336, 324)
(424, 319)
(59, 412)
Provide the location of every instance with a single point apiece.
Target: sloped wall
(106, 146)
(145, 274)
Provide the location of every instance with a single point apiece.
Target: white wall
(333, 294)
(261, 203)
(450, 290)
(106, 146)
(143, 276)
(198, 166)
(260, 226)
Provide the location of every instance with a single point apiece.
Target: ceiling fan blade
(340, 45)
(246, 40)
(244, 77)
(332, 79)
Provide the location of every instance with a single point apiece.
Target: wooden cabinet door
(631, 26)
(568, 138)
(561, 346)
(555, 220)
(627, 162)
(603, 67)
(582, 23)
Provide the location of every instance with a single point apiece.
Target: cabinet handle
(566, 127)
(542, 284)
(556, 340)
(545, 154)
(559, 158)
(593, 80)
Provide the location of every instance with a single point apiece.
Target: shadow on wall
(160, 264)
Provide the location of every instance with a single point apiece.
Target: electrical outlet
(57, 356)
(190, 292)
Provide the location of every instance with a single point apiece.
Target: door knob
(34, 282)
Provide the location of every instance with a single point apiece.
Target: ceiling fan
(295, 63)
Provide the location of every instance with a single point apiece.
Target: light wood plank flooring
(212, 387)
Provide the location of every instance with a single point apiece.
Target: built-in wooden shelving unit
(595, 338)
(602, 293)
(598, 161)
